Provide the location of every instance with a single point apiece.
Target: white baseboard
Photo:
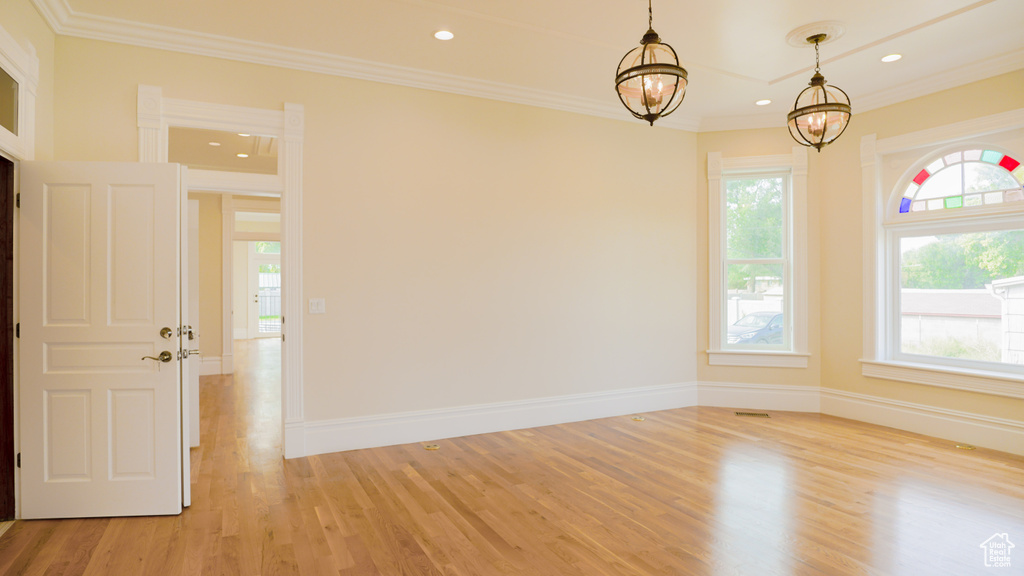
(408, 427)
(954, 425)
(759, 396)
(320, 437)
(210, 365)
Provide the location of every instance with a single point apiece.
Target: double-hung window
(758, 300)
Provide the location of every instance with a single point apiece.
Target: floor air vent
(754, 414)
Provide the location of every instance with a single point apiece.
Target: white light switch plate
(317, 306)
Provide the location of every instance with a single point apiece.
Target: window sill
(760, 358)
(996, 383)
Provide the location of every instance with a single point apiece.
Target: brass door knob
(164, 356)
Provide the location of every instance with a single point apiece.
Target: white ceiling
(563, 54)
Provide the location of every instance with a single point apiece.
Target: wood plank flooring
(685, 492)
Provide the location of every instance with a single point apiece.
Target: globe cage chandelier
(650, 82)
(821, 112)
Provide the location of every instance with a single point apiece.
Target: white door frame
(156, 115)
(22, 64)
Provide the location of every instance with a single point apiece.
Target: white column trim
(872, 252)
(715, 225)
(227, 219)
(152, 131)
(291, 284)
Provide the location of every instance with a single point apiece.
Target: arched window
(954, 238)
(965, 179)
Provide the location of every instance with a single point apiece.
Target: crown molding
(55, 12)
(942, 81)
(65, 21)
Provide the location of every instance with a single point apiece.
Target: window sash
(893, 337)
(785, 261)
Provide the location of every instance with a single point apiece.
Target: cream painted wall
(841, 240)
(263, 227)
(211, 315)
(740, 143)
(21, 20)
(469, 251)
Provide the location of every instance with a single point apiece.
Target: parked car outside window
(757, 328)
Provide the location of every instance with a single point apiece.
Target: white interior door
(193, 336)
(100, 424)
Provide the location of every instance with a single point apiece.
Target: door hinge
(17, 200)
(17, 330)
(282, 337)
(19, 459)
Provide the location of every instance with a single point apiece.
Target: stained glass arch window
(965, 179)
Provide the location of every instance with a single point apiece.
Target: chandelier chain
(817, 64)
(650, 16)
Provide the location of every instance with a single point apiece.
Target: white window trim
(23, 67)
(796, 164)
(878, 360)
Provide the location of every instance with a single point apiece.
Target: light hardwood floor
(690, 491)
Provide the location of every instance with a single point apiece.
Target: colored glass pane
(1009, 163)
(969, 178)
(994, 198)
(991, 156)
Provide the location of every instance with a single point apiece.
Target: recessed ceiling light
(214, 143)
(443, 35)
(240, 155)
(892, 57)
(243, 135)
(764, 102)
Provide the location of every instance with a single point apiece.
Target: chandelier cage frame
(644, 80)
(821, 112)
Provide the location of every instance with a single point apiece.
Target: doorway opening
(7, 456)
(257, 289)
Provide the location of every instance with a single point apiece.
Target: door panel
(100, 424)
